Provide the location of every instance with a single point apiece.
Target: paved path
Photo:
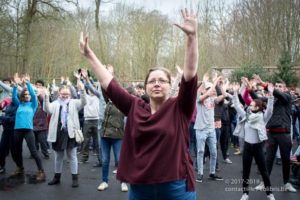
(89, 179)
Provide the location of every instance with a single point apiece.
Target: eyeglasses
(65, 94)
(159, 81)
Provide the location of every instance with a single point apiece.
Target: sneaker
(19, 172)
(115, 171)
(237, 152)
(270, 197)
(199, 178)
(288, 187)
(215, 177)
(124, 187)
(260, 187)
(227, 161)
(82, 161)
(2, 170)
(103, 186)
(245, 197)
(40, 176)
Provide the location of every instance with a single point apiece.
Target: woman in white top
(64, 121)
(252, 128)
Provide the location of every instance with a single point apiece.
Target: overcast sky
(169, 7)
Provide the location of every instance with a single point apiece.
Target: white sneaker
(228, 161)
(288, 187)
(270, 197)
(260, 187)
(102, 186)
(245, 197)
(115, 171)
(124, 187)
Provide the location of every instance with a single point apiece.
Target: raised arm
(189, 27)
(102, 74)
(7, 88)
(269, 111)
(236, 103)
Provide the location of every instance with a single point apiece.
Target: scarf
(64, 111)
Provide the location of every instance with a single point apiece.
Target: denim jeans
(174, 190)
(202, 136)
(106, 144)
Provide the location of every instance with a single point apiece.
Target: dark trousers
(19, 136)
(6, 145)
(224, 139)
(41, 140)
(256, 151)
(90, 130)
(283, 140)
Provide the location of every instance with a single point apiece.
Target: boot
(75, 180)
(41, 176)
(55, 180)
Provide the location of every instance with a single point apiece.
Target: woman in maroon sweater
(154, 158)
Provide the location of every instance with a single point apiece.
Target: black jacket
(282, 111)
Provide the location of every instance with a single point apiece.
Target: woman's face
(253, 106)
(158, 85)
(27, 96)
(65, 93)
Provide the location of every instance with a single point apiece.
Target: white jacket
(259, 120)
(75, 105)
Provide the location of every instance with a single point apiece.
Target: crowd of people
(177, 121)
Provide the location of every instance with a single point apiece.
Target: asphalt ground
(89, 179)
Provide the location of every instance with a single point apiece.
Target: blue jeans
(174, 190)
(202, 136)
(106, 144)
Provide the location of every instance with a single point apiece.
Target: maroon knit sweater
(155, 146)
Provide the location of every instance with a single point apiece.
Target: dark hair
(88, 72)
(40, 82)
(22, 96)
(140, 86)
(280, 81)
(165, 70)
(7, 79)
(260, 104)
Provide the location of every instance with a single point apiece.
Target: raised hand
(236, 87)
(68, 82)
(84, 73)
(257, 78)
(205, 77)
(80, 85)
(16, 78)
(179, 70)
(270, 88)
(26, 78)
(76, 74)
(190, 24)
(84, 45)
